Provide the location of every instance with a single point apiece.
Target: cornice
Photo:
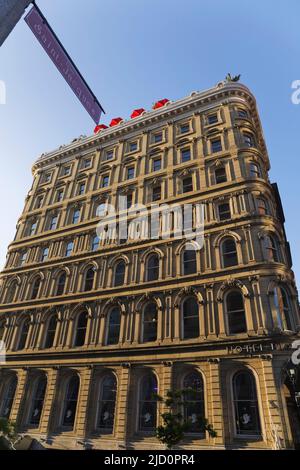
(195, 99)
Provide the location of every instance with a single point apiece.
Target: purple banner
(55, 50)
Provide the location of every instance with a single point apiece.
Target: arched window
(150, 323)
(235, 311)
(107, 403)
(35, 288)
(153, 267)
(148, 403)
(38, 401)
(190, 314)
(113, 327)
(194, 410)
(24, 334)
(229, 253)
(8, 397)
(81, 329)
(11, 292)
(51, 330)
(120, 273)
(70, 402)
(283, 308)
(272, 248)
(189, 262)
(89, 279)
(61, 284)
(246, 404)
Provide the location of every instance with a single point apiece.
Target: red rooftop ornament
(99, 128)
(115, 121)
(137, 112)
(160, 103)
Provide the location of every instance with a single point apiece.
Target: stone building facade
(93, 326)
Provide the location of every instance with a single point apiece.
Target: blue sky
(133, 52)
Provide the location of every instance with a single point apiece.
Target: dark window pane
(70, 403)
(246, 405)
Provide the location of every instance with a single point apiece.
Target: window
(8, 397)
(45, 254)
(187, 184)
(246, 405)
(81, 189)
(38, 401)
(262, 207)
(89, 279)
(220, 175)
(185, 155)
(69, 249)
(66, 171)
(11, 292)
(189, 262)
(53, 222)
(105, 181)
(248, 139)
(76, 216)
(113, 327)
(39, 202)
(129, 200)
(47, 178)
(282, 305)
(150, 323)
(156, 193)
(216, 145)
(212, 118)
(2, 326)
(35, 288)
(51, 330)
(224, 211)
(235, 311)
(184, 128)
(95, 243)
(23, 257)
(148, 404)
(109, 154)
(133, 146)
(32, 229)
(107, 403)
(255, 171)
(229, 253)
(120, 274)
(87, 162)
(24, 334)
(156, 164)
(59, 195)
(272, 249)
(158, 137)
(81, 329)
(153, 267)
(130, 172)
(194, 411)
(242, 113)
(190, 317)
(70, 402)
(61, 284)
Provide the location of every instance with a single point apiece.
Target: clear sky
(133, 52)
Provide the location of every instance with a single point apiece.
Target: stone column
(121, 414)
(49, 405)
(215, 408)
(81, 415)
